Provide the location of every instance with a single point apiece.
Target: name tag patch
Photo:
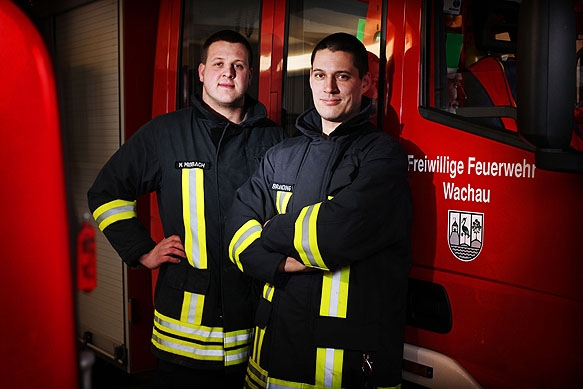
(192, 165)
(282, 187)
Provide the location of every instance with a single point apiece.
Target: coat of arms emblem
(465, 234)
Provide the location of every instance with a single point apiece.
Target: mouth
(227, 86)
(330, 101)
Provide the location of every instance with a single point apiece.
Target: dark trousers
(172, 376)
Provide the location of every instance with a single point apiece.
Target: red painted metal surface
(37, 322)
(518, 307)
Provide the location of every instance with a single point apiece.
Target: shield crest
(465, 234)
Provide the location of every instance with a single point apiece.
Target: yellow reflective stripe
(329, 367)
(247, 234)
(238, 338)
(282, 200)
(237, 356)
(256, 375)
(192, 307)
(186, 348)
(268, 291)
(258, 343)
(334, 300)
(193, 215)
(208, 343)
(389, 387)
(188, 330)
(114, 211)
(306, 237)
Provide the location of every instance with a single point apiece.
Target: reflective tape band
(329, 363)
(281, 201)
(268, 291)
(256, 375)
(193, 215)
(114, 211)
(208, 343)
(237, 356)
(188, 330)
(188, 349)
(247, 234)
(306, 237)
(192, 307)
(334, 299)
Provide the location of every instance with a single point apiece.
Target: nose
(229, 72)
(330, 85)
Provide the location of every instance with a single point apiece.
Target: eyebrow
(343, 71)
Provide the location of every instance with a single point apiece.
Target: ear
(366, 82)
(201, 72)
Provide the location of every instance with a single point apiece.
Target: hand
(292, 265)
(167, 250)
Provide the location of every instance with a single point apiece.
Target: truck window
(469, 67)
(311, 21)
(200, 20)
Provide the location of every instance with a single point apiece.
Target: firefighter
(194, 159)
(325, 224)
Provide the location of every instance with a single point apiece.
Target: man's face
(226, 75)
(336, 87)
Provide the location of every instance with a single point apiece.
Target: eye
(342, 77)
(218, 64)
(318, 76)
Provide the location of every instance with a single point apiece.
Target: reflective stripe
(247, 234)
(256, 376)
(194, 238)
(389, 387)
(238, 356)
(306, 237)
(193, 215)
(114, 211)
(334, 300)
(268, 291)
(208, 343)
(281, 201)
(196, 332)
(329, 367)
(192, 306)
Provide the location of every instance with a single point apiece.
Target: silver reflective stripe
(115, 211)
(241, 239)
(193, 214)
(281, 200)
(188, 349)
(306, 233)
(213, 335)
(329, 369)
(334, 294)
(236, 338)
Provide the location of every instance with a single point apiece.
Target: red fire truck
(485, 97)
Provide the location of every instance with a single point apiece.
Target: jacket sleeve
(133, 170)
(252, 207)
(371, 213)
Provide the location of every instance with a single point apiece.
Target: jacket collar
(310, 123)
(254, 112)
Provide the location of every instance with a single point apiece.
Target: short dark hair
(226, 36)
(342, 41)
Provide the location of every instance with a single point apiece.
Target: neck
(328, 127)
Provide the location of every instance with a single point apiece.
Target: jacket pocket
(188, 278)
(333, 332)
